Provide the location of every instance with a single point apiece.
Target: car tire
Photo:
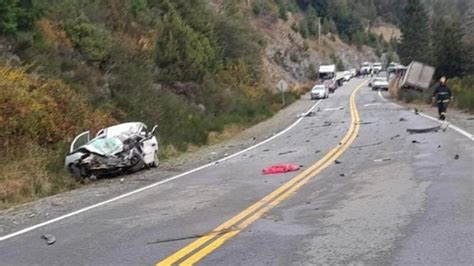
(137, 163)
(77, 172)
(156, 160)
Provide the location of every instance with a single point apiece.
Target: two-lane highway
(388, 191)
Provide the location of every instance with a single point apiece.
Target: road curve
(394, 198)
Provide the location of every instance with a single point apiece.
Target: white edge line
(28, 229)
(459, 130)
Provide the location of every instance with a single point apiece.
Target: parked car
(353, 72)
(319, 92)
(380, 83)
(127, 147)
(382, 74)
(347, 75)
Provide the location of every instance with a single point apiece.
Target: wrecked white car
(127, 147)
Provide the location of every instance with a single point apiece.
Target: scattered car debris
(382, 160)
(286, 152)
(337, 162)
(444, 126)
(280, 168)
(367, 145)
(317, 151)
(372, 104)
(327, 124)
(396, 136)
(127, 147)
(213, 233)
(423, 130)
(48, 238)
(342, 175)
(308, 114)
(456, 156)
(334, 109)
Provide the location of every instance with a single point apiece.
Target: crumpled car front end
(127, 147)
(101, 157)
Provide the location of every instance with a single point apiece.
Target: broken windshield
(106, 146)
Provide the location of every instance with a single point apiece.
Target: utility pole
(319, 30)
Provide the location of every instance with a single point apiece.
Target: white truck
(329, 77)
(366, 68)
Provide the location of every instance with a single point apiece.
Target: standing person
(443, 96)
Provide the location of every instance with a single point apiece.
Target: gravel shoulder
(35, 212)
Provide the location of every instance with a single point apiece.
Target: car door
(80, 140)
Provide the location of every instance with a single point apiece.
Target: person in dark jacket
(442, 95)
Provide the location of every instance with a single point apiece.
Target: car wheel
(156, 160)
(77, 172)
(136, 162)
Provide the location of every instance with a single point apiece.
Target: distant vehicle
(353, 72)
(382, 74)
(380, 83)
(327, 76)
(418, 76)
(377, 67)
(391, 67)
(319, 92)
(127, 147)
(347, 75)
(366, 68)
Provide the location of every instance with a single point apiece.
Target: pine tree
(448, 48)
(183, 54)
(415, 42)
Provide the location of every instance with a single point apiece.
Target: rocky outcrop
(288, 56)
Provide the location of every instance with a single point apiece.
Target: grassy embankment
(462, 88)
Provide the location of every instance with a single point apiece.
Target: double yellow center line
(204, 245)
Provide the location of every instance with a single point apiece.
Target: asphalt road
(393, 198)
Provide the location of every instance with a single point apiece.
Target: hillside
(194, 67)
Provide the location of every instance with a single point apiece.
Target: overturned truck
(418, 76)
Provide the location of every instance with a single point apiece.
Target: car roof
(319, 86)
(130, 128)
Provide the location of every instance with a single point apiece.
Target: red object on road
(280, 168)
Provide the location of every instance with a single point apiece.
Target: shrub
(94, 42)
(463, 92)
(37, 118)
(182, 53)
